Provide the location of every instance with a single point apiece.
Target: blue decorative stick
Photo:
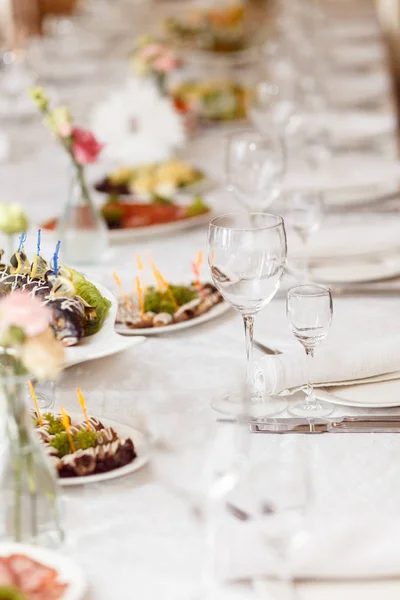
(39, 236)
(22, 240)
(55, 266)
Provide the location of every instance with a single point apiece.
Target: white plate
(385, 267)
(216, 311)
(382, 394)
(68, 571)
(120, 236)
(142, 447)
(104, 343)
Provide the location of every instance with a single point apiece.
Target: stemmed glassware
(304, 214)
(309, 310)
(255, 164)
(247, 257)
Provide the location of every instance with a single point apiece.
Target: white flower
(138, 125)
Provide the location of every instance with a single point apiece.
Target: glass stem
(249, 332)
(310, 387)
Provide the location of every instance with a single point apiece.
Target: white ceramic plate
(216, 311)
(104, 343)
(380, 268)
(121, 236)
(68, 571)
(142, 447)
(382, 394)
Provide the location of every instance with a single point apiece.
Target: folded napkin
(345, 547)
(372, 239)
(350, 363)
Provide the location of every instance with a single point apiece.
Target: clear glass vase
(29, 509)
(82, 229)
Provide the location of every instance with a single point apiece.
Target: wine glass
(309, 309)
(303, 214)
(247, 257)
(255, 164)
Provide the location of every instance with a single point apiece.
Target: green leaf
(89, 292)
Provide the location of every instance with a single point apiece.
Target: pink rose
(24, 311)
(165, 63)
(85, 147)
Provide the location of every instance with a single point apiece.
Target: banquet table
(137, 536)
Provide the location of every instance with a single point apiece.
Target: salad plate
(37, 567)
(380, 394)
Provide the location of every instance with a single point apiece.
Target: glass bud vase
(29, 510)
(82, 229)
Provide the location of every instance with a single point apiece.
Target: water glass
(255, 164)
(247, 257)
(303, 214)
(309, 309)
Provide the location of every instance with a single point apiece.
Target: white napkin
(350, 363)
(374, 238)
(346, 547)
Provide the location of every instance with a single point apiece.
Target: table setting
(199, 286)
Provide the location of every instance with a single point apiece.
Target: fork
(265, 349)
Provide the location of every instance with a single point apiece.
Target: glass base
(231, 404)
(309, 410)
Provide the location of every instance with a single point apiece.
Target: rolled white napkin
(350, 363)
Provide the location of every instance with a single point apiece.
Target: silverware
(266, 349)
(364, 424)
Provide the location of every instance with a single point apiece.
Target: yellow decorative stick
(199, 259)
(168, 290)
(67, 427)
(196, 270)
(83, 407)
(156, 273)
(35, 402)
(121, 289)
(140, 295)
(140, 266)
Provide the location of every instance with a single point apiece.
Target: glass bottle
(82, 229)
(29, 492)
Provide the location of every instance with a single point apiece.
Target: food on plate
(78, 308)
(156, 180)
(128, 215)
(22, 578)
(163, 307)
(217, 29)
(84, 448)
(211, 100)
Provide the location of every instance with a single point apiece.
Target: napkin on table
(349, 363)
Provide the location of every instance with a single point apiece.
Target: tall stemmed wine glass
(309, 310)
(247, 257)
(255, 164)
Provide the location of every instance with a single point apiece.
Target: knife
(364, 424)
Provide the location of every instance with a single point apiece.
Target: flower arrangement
(151, 58)
(26, 475)
(81, 145)
(27, 338)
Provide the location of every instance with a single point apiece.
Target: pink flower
(24, 311)
(85, 147)
(65, 130)
(151, 51)
(165, 63)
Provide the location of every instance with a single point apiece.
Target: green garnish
(82, 440)
(156, 199)
(198, 207)
(89, 292)
(55, 424)
(9, 592)
(158, 302)
(113, 214)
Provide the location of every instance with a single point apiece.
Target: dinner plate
(68, 571)
(121, 236)
(142, 447)
(382, 394)
(216, 311)
(380, 268)
(103, 343)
